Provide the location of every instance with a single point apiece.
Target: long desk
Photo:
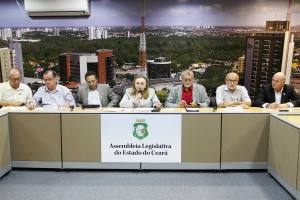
(284, 152)
(72, 139)
(245, 138)
(255, 138)
(5, 159)
(35, 139)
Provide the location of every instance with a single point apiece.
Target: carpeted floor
(130, 185)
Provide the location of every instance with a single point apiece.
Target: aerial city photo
(157, 38)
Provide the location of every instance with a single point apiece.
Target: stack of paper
(235, 109)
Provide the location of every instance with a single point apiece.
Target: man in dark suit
(277, 95)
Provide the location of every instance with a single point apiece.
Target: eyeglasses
(232, 81)
(187, 79)
(15, 79)
(48, 79)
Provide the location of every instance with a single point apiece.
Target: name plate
(147, 138)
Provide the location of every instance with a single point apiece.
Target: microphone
(156, 108)
(40, 102)
(138, 98)
(141, 93)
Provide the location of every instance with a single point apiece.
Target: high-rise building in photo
(97, 33)
(104, 34)
(6, 33)
(142, 46)
(5, 64)
(267, 53)
(55, 32)
(159, 68)
(241, 65)
(73, 66)
(264, 56)
(128, 33)
(277, 25)
(17, 56)
(18, 33)
(105, 65)
(92, 33)
(48, 30)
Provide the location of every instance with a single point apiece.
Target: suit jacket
(199, 96)
(107, 97)
(267, 95)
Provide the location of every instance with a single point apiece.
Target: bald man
(13, 92)
(232, 94)
(277, 95)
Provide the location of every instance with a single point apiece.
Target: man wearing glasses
(13, 92)
(93, 93)
(188, 94)
(53, 95)
(232, 94)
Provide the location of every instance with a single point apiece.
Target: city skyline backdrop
(161, 13)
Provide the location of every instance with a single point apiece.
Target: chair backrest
(213, 102)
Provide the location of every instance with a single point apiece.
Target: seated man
(277, 95)
(232, 94)
(13, 92)
(93, 93)
(187, 94)
(52, 94)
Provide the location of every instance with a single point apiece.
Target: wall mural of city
(207, 36)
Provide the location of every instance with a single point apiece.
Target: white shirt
(22, 94)
(278, 96)
(278, 99)
(94, 98)
(223, 94)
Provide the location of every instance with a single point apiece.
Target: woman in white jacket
(140, 95)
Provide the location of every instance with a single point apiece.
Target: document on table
(127, 110)
(235, 109)
(16, 108)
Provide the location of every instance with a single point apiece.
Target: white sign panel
(151, 138)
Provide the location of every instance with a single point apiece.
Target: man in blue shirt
(53, 95)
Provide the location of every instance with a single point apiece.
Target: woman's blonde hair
(145, 92)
